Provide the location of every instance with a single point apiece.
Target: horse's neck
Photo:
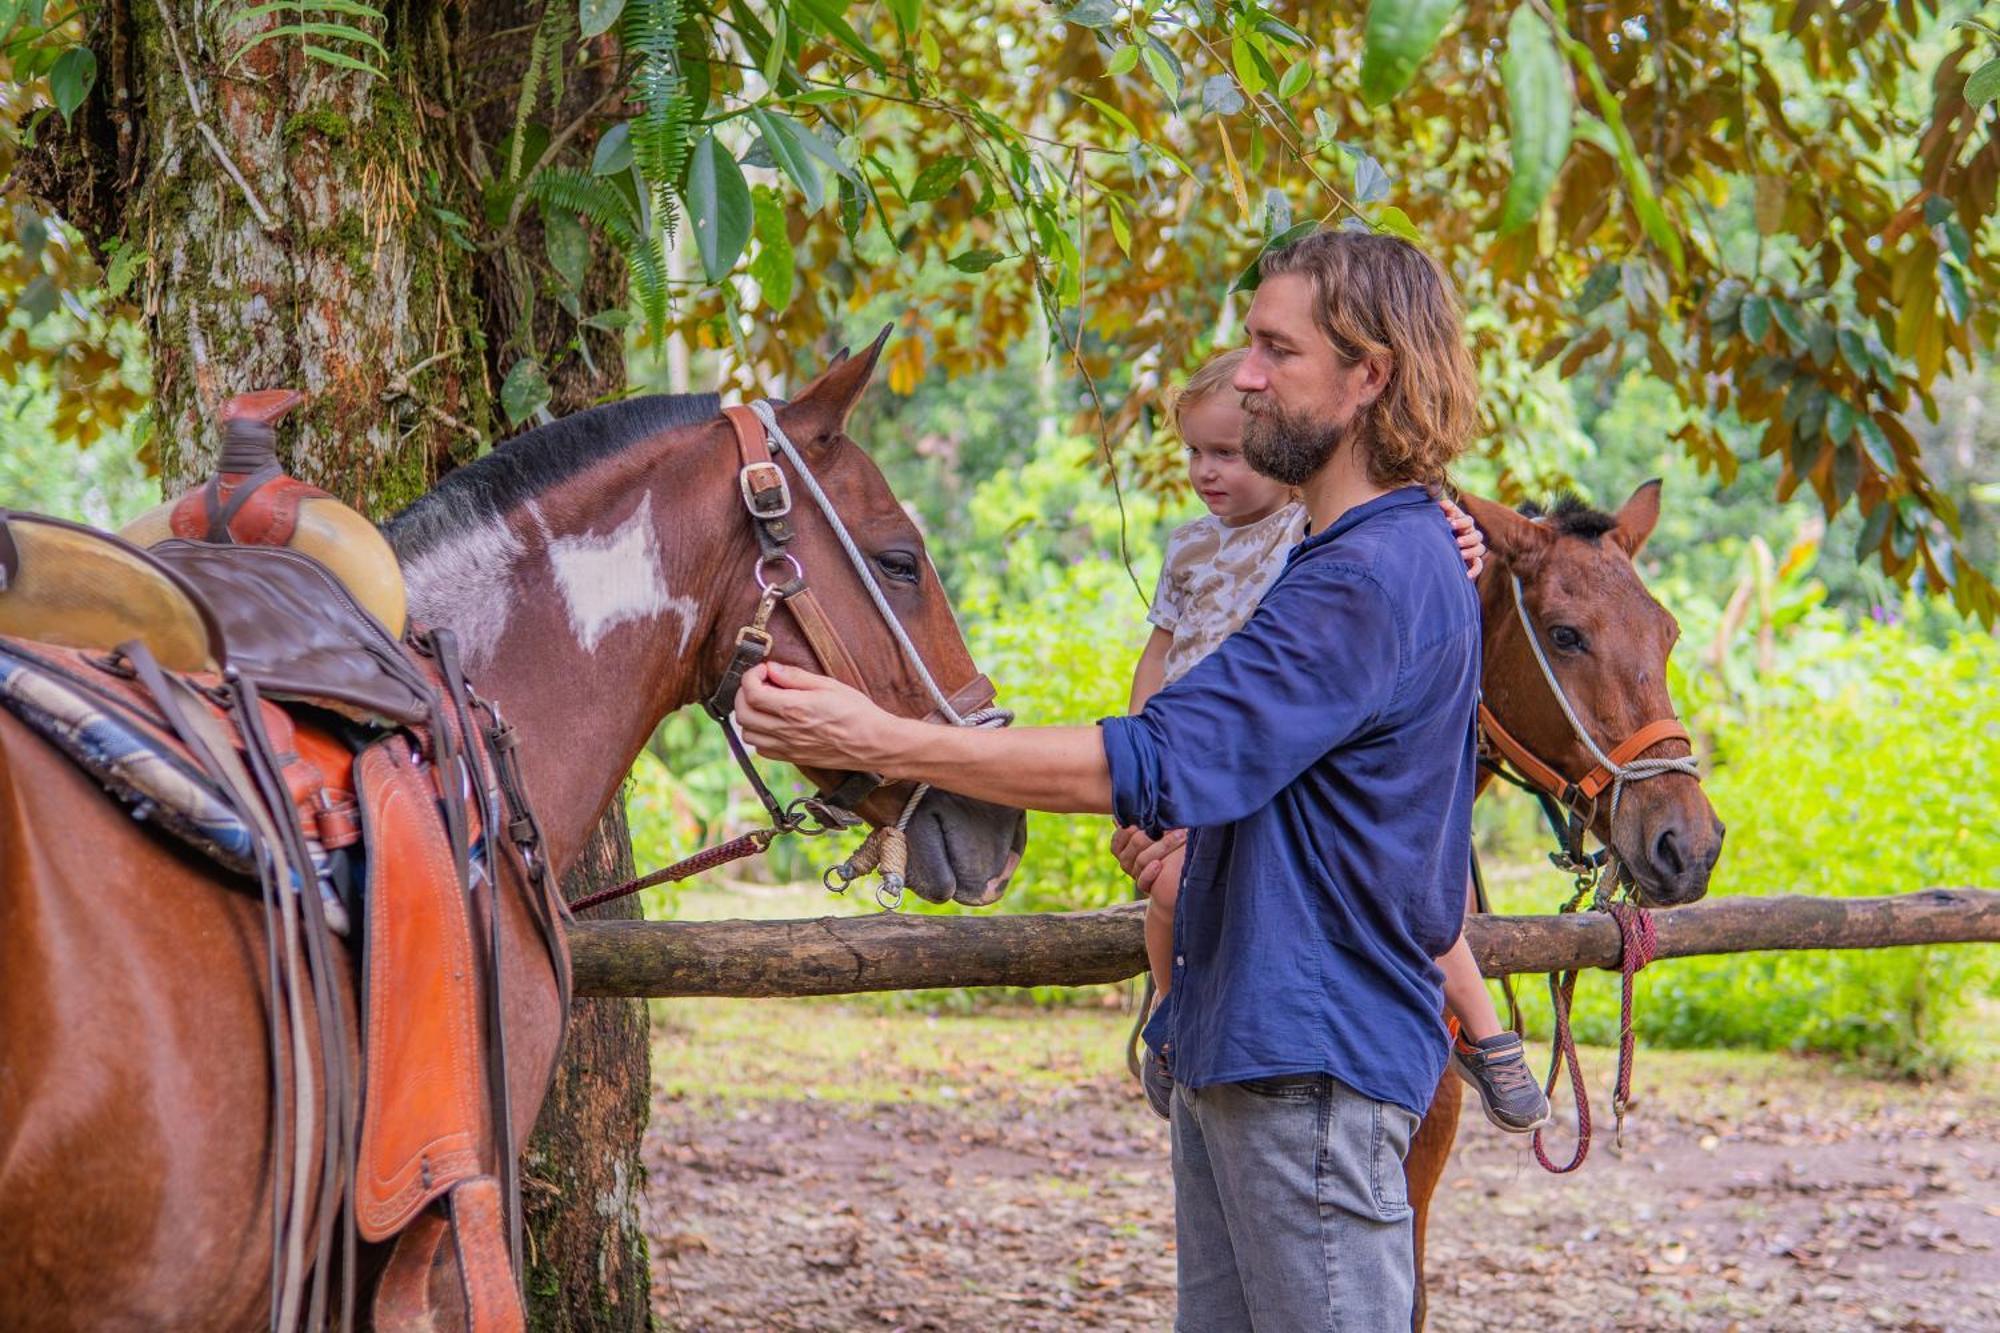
(585, 616)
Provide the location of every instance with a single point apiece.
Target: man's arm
(802, 718)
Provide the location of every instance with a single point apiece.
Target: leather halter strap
(768, 497)
(1593, 783)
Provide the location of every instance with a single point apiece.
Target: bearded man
(1322, 758)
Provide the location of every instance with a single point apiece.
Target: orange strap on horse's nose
(1640, 741)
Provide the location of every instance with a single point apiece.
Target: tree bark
(841, 955)
(583, 1174)
(293, 225)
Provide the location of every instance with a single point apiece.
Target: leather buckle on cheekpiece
(765, 498)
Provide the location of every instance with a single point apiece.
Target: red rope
(1638, 946)
(722, 854)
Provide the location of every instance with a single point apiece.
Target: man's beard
(1288, 447)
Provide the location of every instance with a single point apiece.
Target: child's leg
(1465, 993)
(1160, 931)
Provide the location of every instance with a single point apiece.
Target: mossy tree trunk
(285, 222)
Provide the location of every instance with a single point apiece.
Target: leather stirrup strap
(492, 1302)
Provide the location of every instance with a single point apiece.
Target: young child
(1216, 571)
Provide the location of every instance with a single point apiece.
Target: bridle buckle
(765, 499)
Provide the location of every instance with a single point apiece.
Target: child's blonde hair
(1212, 378)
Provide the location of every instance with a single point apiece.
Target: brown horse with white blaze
(595, 572)
(1606, 641)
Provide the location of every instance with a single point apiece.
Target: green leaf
(1371, 183)
(1092, 13)
(826, 14)
(1399, 36)
(1112, 114)
(353, 8)
(907, 12)
(975, 261)
(340, 60)
(1957, 302)
(829, 154)
(1123, 61)
(1841, 419)
(1295, 78)
(1220, 95)
(594, 17)
(938, 179)
(1160, 63)
(75, 71)
(1277, 211)
(718, 206)
(1791, 321)
(1984, 84)
(1395, 221)
(1246, 281)
(524, 391)
(773, 265)
(1241, 59)
(610, 321)
(1540, 112)
(567, 245)
(1756, 316)
(1876, 441)
(785, 138)
(1855, 352)
(124, 267)
(614, 151)
(1121, 228)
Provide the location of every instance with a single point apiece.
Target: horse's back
(134, 1066)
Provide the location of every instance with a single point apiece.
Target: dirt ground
(830, 1166)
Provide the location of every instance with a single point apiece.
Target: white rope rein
(891, 891)
(1638, 770)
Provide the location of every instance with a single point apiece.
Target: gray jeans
(1290, 1212)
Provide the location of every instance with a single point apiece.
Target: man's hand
(1471, 544)
(1166, 868)
(793, 715)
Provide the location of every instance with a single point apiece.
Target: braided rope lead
(886, 849)
(1638, 946)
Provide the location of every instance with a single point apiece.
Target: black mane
(524, 467)
(1572, 517)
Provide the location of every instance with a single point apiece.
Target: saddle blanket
(148, 777)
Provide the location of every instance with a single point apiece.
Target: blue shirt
(1322, 758)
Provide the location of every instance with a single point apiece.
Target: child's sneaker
(1157, 1082)
(1508, 1090)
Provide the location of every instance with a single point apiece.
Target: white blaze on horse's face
(608, 580)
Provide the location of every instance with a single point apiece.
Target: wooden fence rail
(840, 955)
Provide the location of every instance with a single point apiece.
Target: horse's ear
(820, 410)
(1515, 537)
(1636, 519)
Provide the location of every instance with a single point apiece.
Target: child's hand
(1167, 868)
(1471, 544)
(1138, 854)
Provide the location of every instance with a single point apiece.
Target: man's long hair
(1378, 295)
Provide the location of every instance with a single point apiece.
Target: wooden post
(839, 955)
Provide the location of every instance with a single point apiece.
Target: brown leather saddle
(318, 731)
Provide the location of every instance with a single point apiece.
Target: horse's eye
(1567, 639)
(899, 565)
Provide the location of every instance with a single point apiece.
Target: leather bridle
(782, 582)
(1571, 806)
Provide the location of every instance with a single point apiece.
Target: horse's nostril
(1667, 854)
